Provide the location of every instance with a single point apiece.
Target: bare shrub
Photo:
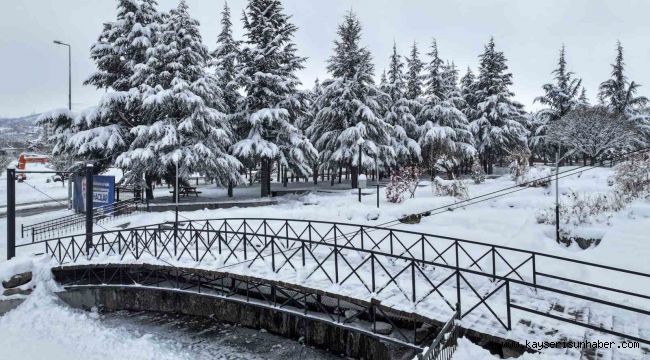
(455, 188)
(402, 181)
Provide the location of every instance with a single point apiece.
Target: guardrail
(444, 345)
(373, 261)
(77, 221)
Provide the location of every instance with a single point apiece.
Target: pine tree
(183, 109)
(559, 98)
(225, 60)
(497, 128)
(308, 119)
(405, 129)
(414, 74)
(468, 93)
(445, 137)
(618, 92)
(272, 104)
(351, 107)
(102, 132)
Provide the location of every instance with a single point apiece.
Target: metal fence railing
(455, 276)
(73, 222)
(444, 345)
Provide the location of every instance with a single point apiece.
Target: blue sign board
(103, 191)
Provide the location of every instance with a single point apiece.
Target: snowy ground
(509, 221)
(45, 328)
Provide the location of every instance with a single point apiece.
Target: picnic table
(186, 191)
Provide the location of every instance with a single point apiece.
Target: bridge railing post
(272, 254)
(336, 257)
(508, 304)
(494, 265)
(534, 272)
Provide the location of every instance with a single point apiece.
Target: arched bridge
(415, 282)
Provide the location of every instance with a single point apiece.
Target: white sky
(33, 71)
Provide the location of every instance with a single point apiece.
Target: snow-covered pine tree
(102, 132)
(351, 107)
(184, 123)
(618, 92)
(224, 60)
(497, 127)
(559, 98)
(468, 93)
(405, 128)
(414, 68)
(414, 80)
(307, 119)
(583, 99)
(445, 137)
(272, 103)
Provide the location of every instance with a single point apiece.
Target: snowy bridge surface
(495, 291)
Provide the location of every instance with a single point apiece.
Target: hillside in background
(17, 131)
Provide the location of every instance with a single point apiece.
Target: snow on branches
(593, 131)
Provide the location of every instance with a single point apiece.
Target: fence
(77, 221)
(427, 271)
(444, 345)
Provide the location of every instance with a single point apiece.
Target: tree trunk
(340, 173)
(315, 174)
(355, 177)
(230, 189)
(149, 190)
(265, 177)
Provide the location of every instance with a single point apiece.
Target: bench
(186, 191)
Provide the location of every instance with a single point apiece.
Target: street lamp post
(69, 72)
(360, 143)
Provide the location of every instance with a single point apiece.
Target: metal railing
(444, 345)
(372, 261)
(73, 222)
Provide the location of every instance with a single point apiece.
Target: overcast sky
(33, 71)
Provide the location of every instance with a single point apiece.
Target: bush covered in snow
(455, 188)
(478, 174)
(633, 176)
(400, 182)
(518, 160)
(535, 177)
(632, 180)
(582, 209)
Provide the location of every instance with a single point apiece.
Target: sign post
(89, 208)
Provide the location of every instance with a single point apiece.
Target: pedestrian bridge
(383, 285)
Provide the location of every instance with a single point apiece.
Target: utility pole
(69, 72)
